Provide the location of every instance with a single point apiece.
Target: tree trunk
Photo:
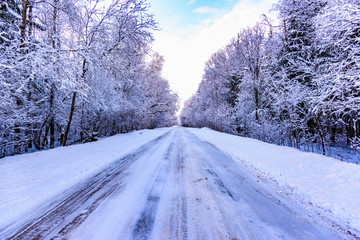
(23, 25)
(66, 133)
(37, 141)
(52, 91)
(17, 145)
(333, 133)
(82, 127)
(285, 31)
(321, 134)
(54, 36)
(31, 23)
(350, 133)
(256, 92)
(52, 117)
(44, 142)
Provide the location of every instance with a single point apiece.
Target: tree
(296, 66)
(339, 88)
(71, 71)
(161, 103)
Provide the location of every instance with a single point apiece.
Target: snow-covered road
(174, 187)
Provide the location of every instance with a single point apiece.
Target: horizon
(201, 26)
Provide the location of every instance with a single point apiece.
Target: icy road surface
(175, 187)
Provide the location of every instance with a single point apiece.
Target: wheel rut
(62, 215)
(175, 187)
(144, 224)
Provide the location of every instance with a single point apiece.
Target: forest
(291, 81)
(75, 70)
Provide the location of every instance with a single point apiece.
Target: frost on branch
(73, 71)
(292, 84)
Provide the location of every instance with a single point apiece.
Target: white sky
(186, 48)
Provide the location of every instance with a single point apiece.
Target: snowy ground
(324, 182)
(343, 153)
(29, 180)
(174, 184)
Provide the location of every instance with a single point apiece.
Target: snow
(325, 182)
(180, 173)
(112, 210)
(341, 152)
(179, 189)
(29, 180)
(13, 13)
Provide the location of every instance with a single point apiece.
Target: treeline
(71, 71)
(291, 84)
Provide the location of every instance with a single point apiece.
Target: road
(175, 187)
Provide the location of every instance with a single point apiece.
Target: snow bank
(322, 181)
(27, 181)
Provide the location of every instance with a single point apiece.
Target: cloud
(191, 2)
(185, 57)
(206, 10)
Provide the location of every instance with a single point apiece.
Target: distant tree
(161, 103)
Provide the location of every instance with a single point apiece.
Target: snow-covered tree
(338, 96)
(293, 84)
(161, 103)
(74, 70)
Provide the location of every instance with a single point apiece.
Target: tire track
(180, 188)
(61, 216)
(256, 213)
(220, 185)
(168, 181)
(179, 218)
(145, 223)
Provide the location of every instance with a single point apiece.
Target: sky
(192, 30)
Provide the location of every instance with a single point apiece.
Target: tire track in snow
(186, 189)
(62, 215)
(178, 218)
(164, 215)
(144, 224)
(201, 212)
(248, 210)
(220, 185)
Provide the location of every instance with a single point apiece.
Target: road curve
(175, 187)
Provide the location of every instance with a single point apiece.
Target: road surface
(175, 187)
